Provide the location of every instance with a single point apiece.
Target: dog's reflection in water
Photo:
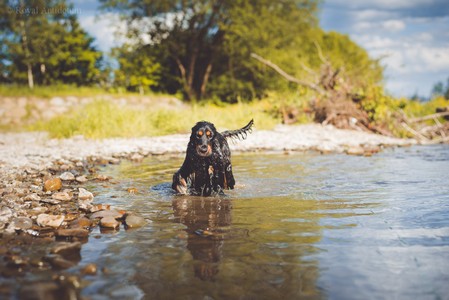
(207, 220)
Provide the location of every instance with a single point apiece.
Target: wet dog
(207, 168)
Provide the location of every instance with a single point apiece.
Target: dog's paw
(181, 185)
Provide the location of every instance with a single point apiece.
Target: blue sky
(412, 36)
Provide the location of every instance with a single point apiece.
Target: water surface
(296, 226)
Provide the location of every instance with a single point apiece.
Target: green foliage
(45, 38)
(204, 46)
(440, 90)
(137, 70)
(418, 109)
(280, 103)
(56, 90)
(102, 119)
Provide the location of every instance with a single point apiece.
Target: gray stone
(81, 179)
(32, 197)
(134, 221)
(85, 194)
(109, 222)
(5, 214)
(106, 213)
(67, 176)
(62, 196)
(21, 223)
(45, 220)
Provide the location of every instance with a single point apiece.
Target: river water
(296, 226)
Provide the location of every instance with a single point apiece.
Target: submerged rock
(81, 223)
(132, 190)
(58, 262)
(20, 223)
(107, 213)
(45, 220)
(134, 221)
(52, 184)
(73, 232)
(109, 222)
(89, 269)
(66, 248)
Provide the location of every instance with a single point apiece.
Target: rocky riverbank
(47, 213)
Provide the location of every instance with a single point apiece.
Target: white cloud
(388, 25)
(393, 25)
(380, 4)
(105, 29)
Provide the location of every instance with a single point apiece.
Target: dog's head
(201, 138)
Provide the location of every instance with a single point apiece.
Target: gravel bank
(34, 150)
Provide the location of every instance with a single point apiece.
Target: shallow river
(297, 226)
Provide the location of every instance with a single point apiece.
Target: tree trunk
(188, 89)
(205, 80)
(25, 49)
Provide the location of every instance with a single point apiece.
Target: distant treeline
(200, 48)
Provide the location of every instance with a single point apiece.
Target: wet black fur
(208, 172)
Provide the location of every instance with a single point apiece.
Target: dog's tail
(239, 133)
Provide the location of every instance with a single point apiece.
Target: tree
(207, 42)
(440, 90)
(137, 69)
(44, 43)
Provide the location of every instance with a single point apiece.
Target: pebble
(133, 190)
(85, 205)
(62, 196)
(39, 290)
(21, 223)
(54, 221)
(85, 194)
(50, 201)
(32, 197)
(81, 179)
(355, 150)
(5, 214)
(134, 221)
(107, 213)
(67, 176)
(52, 184)
(89, 269)
(72, 232)
(109, 222)
(81, 223)
(102, 177)
(66, 248)
(98, 207)
(59, 262)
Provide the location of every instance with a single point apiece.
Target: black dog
(207, 167)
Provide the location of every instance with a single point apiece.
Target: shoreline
(34, 150)
(43, 200)
(42, 176)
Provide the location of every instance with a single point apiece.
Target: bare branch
(320, 53)
(286, 75)
(428, 117)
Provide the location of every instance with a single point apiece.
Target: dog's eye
(200, 133)
(208, 133)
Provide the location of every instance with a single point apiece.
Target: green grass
(102, 119)
(59, 90)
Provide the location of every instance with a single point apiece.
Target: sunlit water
(297, 226)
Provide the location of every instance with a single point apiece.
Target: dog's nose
(203, 148)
